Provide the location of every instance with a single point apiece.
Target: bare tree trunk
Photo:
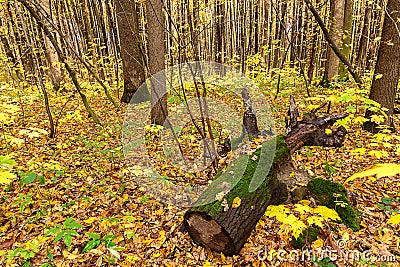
(347, 23)
(156, 57)
(361, 57)
(336, 31)
(55, 72)
(383, 89)
(131, 54)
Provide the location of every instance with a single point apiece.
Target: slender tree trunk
(336, 31)
(383, 89)
(156, 57)
(361, 57)
(347, 23)
(131, 54)
(55, 72)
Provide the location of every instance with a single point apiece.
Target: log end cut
(204, 230)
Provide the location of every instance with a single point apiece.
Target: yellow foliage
(380, 170)
(302, 208)
(315, 220)
(326, 213)
(395, 219)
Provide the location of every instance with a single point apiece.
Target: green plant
(26, 255)
(325, 262)
(30, 177)
(23, 201)
(97, 240)
(387, 203)
(65, 231)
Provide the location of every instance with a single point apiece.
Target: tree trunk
(131, 54)
(336, 32)
(220, 224)
(361, 57)
(156, 59)
(55, 72)
(383, 89)
(347, 31)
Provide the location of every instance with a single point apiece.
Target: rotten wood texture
(249, 117)
(311, 130)
(224, 227)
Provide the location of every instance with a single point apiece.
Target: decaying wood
(311, 130)
(249, 117)
(223, 227)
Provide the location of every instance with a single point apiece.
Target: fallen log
(225, 215)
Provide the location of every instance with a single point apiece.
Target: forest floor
(74, 190)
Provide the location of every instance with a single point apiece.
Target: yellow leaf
(236, 202)
(279, 212)
(326, 213)
(377, 118)
(360, 151)
(378, 153)
(315, 220)
(4, 117)
(297, 225)
(328, 131)
(33, 134)
(6, 177)
(90, 220)
(380, 170)
(69, 256)
(395, 219)
(359, 120)
(302, 208)
(18, 141)
(318, 243)
(38, 130)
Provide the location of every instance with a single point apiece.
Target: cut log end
(206, 231)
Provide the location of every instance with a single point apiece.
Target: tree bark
(332, 43)
(347, 33)
(336, 31)
(383, 89)
(55, 72)
(131, 54)
(156, 59)
(361, 57)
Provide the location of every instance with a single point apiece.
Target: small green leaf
(59, 236)
(387, 200)
(29, 178)
(93, 235)
(70, 223)
(67, 240)
(91, 244)
(41, 179)
(49, 255)
(52, 231)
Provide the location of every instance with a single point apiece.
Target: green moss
(259, 165)
(310, 235)
(334, 196)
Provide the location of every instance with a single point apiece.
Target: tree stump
(222, 218)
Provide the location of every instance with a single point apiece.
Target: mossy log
(222, 226)
(227, 212)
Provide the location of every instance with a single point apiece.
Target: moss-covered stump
(225, 223)
(334, 196)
